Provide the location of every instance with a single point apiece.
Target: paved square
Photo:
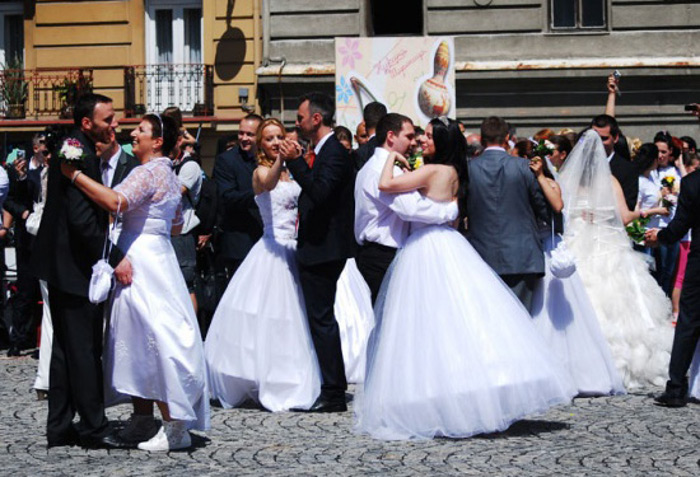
(598, 436)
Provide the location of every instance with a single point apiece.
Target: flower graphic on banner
(350, 53)
(343, 91)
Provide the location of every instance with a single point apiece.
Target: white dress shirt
(385, 218)
(323, 140)
(111, 169)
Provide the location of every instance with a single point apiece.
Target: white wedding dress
(564, 316)
(153, 345)
(258, 345)
(355, 317)
(454, 352)
(634, 313)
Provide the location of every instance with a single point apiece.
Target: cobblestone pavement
(601, 436)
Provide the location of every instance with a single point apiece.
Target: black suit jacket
(125, 164)
(362, 154)
(241, 224)
(627, 174)
(326, 205)
(73, 228)
(505, 207)
(687, 218)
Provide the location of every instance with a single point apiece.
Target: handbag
(563, 262)
(101, 281)
(34, 219)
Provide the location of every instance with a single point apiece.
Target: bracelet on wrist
(75, 176)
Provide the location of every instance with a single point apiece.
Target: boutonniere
(72, 152)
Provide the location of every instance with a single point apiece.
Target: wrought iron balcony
(42, 93)
(152, 88)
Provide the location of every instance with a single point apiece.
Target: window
(396, 17)
(11, 32)
(174, 31)
(175, 76)
(578, 14)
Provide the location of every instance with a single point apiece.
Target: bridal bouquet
(72, 152)
(415, 160)
(669, 182)
(543, 149)
(637, 228)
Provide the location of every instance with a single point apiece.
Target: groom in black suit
(325, 236)
(687, 331)
(504, 208)
(69, 242)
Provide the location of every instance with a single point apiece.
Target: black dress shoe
(323, 404)
(671, 400)
(108, 441)
(13, 351)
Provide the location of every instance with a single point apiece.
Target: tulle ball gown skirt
(566, 320)
(154, 348)
(355, 316)
(454, 353)
(258, 345)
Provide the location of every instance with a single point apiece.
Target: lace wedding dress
(634, 313)
(153, 345)
(454, 352)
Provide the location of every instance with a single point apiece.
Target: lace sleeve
(137, 188)
(179, 219)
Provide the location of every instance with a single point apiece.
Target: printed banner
(411, 76)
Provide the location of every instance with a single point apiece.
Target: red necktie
(310, 158)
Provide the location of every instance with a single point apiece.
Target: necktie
(104, 168)
(310, 158)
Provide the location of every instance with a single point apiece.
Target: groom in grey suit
(505, 208)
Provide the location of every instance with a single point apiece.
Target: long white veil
(589, 198)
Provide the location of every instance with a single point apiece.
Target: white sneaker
(140, 428)
(172, 435)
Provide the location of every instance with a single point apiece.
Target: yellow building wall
(107, 35)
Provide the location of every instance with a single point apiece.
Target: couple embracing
(454, 353)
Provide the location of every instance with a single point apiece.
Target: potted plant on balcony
(69, 91)
(14, 89)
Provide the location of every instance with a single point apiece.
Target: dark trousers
(75, 382)
(666, 259)
(319, 284)
(230, 266)
(25, 310)
(523, 285)
(373, 261)
(687, 333)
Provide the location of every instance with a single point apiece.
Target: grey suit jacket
(505, 207)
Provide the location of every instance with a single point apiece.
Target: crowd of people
(463, 280)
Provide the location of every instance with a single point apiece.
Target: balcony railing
(50, 93)
(152, 88)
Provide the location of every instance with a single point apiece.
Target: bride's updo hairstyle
(263, 160)
(451, 150)
(163, 127)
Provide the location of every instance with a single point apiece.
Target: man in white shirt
(382, 221)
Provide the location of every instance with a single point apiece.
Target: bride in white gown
(564, 315)
(454, 352)
(634, 313)
(258, 345)
(153, 348)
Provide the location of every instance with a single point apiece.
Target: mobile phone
(617, 75)
(691, 107)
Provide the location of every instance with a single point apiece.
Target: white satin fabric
(566, 320)
(258, 345)
(153, 347)
(355, 317)
(454, 353)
